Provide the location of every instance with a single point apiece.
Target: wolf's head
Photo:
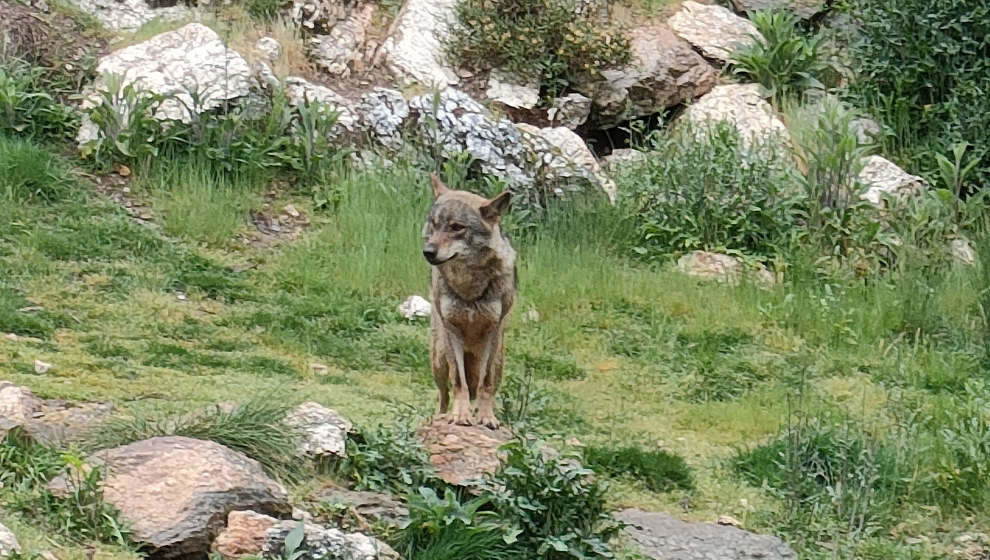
(461, 225)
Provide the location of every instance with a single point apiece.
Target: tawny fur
(473, 289)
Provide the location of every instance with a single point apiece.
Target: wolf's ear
(496, 206)
(438, 187)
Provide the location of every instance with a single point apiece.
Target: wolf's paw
(460, 417)
(489, 421)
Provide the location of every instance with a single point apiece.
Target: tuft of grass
(30, 173)
(255, 428)
(660, 471)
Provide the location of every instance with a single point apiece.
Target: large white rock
(712, 29)
(742, 106)
(882, 178)
(192, 58)
(334, 52)
(415, 306)
(414, 49)
(575, 152)
(665, 71)
(128, 15)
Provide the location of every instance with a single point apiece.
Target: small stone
(415, 306)
(41, 367)
(244, 534)
(291, 211)
(123, 170)
(180, 296)
(728, 520)
(532, 315)
(883, 177)
(962, 251)
(319, 369)
(569, 111)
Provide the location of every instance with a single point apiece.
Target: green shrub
(445, 529)
(388, 458)
(542, 40)
(80, 515)
(660, 471)
(25, 106)
(786, 61)
(923, 67)
(553, 501)
(708, 190)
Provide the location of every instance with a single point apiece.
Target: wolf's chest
(473, 319)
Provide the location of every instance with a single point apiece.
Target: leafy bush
(554, 503)
(446, 529)
(786, 61)
(80, 515)
(923, 67)
(660, 471)
(708, 190)
(25, 106)
(542, 40)
(388, 458)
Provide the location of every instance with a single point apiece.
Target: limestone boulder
(570, 111)
(720, 267)
(742, 106)
(336, 51)
(665, 72)
(576, 155)
(323, 432)
(415, 306)
(175, 493)
(177, 64)
(371, 506)
(713, 29)
(660, 536)
(512, 91)
(882, 178)
(129, 15)
(414, 48)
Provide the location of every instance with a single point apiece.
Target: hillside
(753, 268)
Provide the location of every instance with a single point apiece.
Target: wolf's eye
(456, 228)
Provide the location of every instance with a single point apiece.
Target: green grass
(622, 352)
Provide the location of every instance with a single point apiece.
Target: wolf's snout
(430, 252)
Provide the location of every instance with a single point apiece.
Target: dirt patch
(55, 39)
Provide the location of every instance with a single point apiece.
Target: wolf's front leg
(489, 381)
(461, 414)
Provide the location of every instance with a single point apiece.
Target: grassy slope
(625, 353)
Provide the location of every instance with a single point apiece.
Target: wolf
(473, 289)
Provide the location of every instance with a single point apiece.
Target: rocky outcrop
(414, 49)
(883, 178)
(323, 543)
(129, 15)
(192, 58)
(712, 29)
(802, 8)
(323, 432)
(744, 107)
(462, 454)
(50, 422)
(175, 492)
(660, 536)
(383, 113)
(299, 91)
(665, 71)
(623, 157)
